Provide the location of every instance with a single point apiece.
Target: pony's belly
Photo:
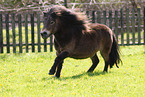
(81, 56)
(83, 52)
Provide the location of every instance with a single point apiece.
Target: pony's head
(50, 23)
(60, 18)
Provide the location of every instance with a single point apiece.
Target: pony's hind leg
(95, 61)
(106, 67)
(105, 55)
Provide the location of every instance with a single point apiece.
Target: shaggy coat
(75, 37)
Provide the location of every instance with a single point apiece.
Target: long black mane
(70, 19)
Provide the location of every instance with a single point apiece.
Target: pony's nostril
(43, 33)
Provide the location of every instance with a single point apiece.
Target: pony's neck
(65, 34)
(62, 37)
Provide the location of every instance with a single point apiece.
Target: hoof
(51, 73)
(57, 76)
(54, 76)
(89, 71)
(105, 71)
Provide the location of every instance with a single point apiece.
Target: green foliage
(25, 3)
(26, 75)
(109, 4)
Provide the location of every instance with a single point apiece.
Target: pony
(76, 38)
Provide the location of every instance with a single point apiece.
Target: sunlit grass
(26, 75)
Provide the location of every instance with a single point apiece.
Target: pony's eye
(52, 22)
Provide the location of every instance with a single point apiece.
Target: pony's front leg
(59, 67)
(57, 61)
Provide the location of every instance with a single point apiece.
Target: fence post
(110, 19)
(127, 25)
(139, 23)
(1, 34)
(13, 31)
(93, 16)
(7, 32)
(98, 16)
(38, 32)
(20, 33)
(32, 32)
(116, 24)
(26, 32)
(133, 26)
(45, 45)
(122, 30)
(104, 17)
(51, 43)
(144, 25)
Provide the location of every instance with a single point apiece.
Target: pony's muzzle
(45, 34)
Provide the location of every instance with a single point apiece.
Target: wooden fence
(21, 35)
(128, 25)
(21, 32)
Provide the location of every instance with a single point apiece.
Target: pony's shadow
(85, 73)
(77, 76)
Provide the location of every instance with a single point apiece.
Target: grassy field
(26, 75)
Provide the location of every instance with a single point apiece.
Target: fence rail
(21, 32)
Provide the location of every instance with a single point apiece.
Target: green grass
(26, 75)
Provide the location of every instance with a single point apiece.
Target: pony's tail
(114, 57)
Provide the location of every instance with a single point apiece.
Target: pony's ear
(56, 14)
(45, 14)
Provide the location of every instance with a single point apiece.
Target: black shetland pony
(76, 38)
